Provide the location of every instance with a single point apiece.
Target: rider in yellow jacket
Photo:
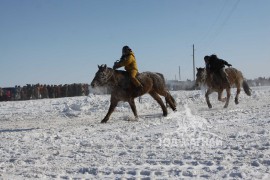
(128, 60)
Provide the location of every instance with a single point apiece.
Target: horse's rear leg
(169, 99)
(208, 92)
(237, 94)
(160, 102)
(110, 111)
(133, 107)
(228, 90)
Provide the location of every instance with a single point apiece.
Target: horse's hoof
(210, 106)
(103, 121)
(225, 106)
(165, 114)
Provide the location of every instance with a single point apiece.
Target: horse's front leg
(208, 92)
(133, 107)
(114, 103)
(228, 90)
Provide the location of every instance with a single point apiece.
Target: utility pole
(179, 73)
(193, 64)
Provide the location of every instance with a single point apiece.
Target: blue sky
(63, 41)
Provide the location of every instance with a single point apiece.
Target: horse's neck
(120, 76)
(120, 79)
(115, 78)
(208, 78)
(205, 76)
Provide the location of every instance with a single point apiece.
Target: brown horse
(122, 89)
(215, 83)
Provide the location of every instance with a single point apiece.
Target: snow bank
(63, 138)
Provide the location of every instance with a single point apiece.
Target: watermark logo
(192, 131)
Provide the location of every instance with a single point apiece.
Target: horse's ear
(105, 66)
(98, 66)
(197, 68)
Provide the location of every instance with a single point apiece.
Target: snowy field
(64, 139)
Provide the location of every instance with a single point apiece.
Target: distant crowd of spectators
(39, 91)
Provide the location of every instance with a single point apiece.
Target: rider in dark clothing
(215, 65)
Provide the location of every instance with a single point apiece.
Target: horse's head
(102, 76)
(200, 76)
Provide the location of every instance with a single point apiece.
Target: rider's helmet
(126, 50)
(206, 58)
(213, 56)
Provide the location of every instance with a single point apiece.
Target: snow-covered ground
(64, 139)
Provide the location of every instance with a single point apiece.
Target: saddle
(217, 79)
(125, 73)
(126, 82)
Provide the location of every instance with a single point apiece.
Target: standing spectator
(1, 92)
(8, 94)
(17, 92)
(57, 91)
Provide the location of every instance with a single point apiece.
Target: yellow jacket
(129, 62)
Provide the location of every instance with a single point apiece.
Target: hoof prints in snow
(136, 172)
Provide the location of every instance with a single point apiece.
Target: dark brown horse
(122, 89)
(215, 83)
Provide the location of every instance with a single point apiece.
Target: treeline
(39, 91)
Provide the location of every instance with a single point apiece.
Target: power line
(215, 32)
(208, 32)
(193, 62)
(227, 18)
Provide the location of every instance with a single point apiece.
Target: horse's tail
(169, 94)
(246, 88)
